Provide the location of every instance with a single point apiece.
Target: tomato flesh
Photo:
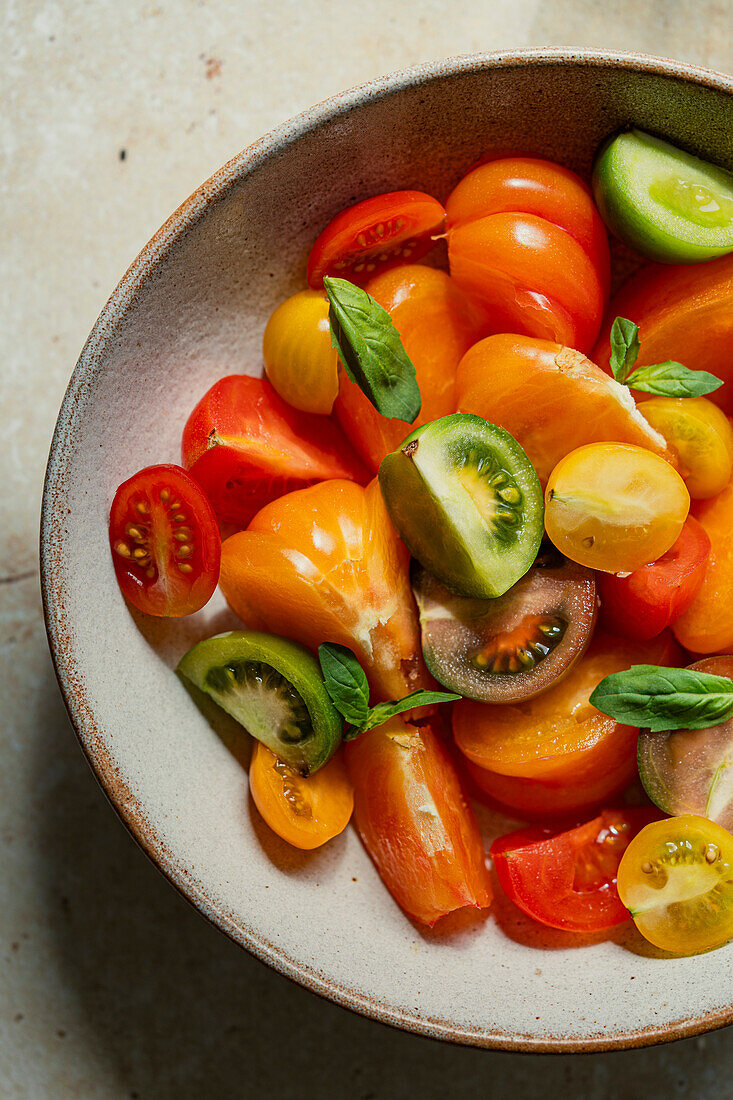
(305, 812)
(642, 604)
(375, 235)
(415, 821)
(707, 624)
(568, 881)
(165, 542)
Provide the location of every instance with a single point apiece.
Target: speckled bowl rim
(72, 684)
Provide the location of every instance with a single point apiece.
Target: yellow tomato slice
(299, 359)
(702, 437)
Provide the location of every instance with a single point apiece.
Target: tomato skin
(642, 604)
(415, 821)
(245, 446)
(304, 812)
(437, 324)
(300, 361)
(568, 881)
(375, 235)
(701, 436)
(165, 542)
(684, 313)
(325, 564)
(707, 625)
(539, 187)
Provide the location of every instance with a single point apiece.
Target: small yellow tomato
(614, 507)
(702, 436)
(676, 880)
(299, 359)
(306, 812)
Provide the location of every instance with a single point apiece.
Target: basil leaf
(624, 347)
(345, 682)
(382, 712)
(672, 379)
(660, 699)
(371, 351)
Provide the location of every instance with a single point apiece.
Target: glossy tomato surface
(375, 235)
(707, 625)
(245, 446)
(165, 542)
(325, 565)
(415, 822)
(568, 880)
(304, 811)
(642, 604)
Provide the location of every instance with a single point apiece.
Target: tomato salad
(482, 525)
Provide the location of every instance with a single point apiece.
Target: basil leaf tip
(371, 351)
(660, 699)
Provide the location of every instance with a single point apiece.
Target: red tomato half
(375, 235)
(246, 447)
(568, 881)
(415, 822)
(642, 604)
(165, 542)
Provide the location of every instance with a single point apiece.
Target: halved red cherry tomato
(415, 821)
(165, 542)
(374, 235)
(568, 881)
(641, 604)
(246, 447)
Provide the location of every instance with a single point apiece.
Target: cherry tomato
(375, 235)
(165, 542)
(415, 821)
(538, 187)
(324, 564)
(568, 881)
(645, 602)
(702, 438)
(676, 879)
(707, 625)
(299, 360)
(614, 507)
(304, 812)
(551, 399)
(246, 447)
(685, 313)
(437, 324)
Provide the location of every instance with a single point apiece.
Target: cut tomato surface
(568, 880)
(165, 542)
(375, 235)
(415, 821)
(245, 446)
(707, 624)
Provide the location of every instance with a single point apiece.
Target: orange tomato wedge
(306, 812)
(707, 625)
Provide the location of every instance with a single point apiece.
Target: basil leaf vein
(345, 682)
(661, 699)
(624, 347)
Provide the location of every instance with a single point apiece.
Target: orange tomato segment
(707, 625)
(325, 564)
(550, 398)
(304, 812)
(701, 436)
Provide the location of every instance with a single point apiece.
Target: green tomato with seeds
(662, 202)
(274, 688)
(467, 503)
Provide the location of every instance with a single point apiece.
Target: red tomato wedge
(165, 542)
(642, 604)
(415, 821)
(245, 446)
(376, 235)
(568, 881)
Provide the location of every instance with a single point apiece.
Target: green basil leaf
(660, 699)
(382, 712)
(371, 351)
(672, 379)
(345, 682)
(624, 347)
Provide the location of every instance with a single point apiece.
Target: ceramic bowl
(192, 308)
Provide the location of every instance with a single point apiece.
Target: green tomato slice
(274, 688)
(467, 503)
(662, 202)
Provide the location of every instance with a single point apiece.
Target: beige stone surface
(110, 986)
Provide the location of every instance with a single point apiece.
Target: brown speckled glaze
(191, 308)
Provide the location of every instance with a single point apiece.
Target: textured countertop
(110, 985)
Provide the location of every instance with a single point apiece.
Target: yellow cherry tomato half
(306, 812)
(299, 359)
(702, 437)
(614, 507)
(676, 880)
